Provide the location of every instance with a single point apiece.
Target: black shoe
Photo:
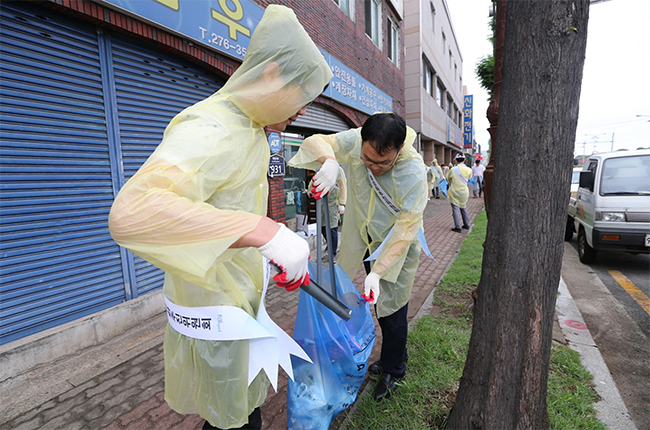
(386, 386)
(457, 230)
(375, 368)
(466, 227)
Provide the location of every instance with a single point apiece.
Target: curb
(610, 408)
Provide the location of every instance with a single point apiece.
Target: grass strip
(437, 346)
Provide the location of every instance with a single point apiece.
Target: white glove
(371, 288)
(291, 253)
(341, 209)
(325, 178)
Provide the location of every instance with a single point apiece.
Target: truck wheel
(568, 230)
(586, 253)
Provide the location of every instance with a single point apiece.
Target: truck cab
(611, 209)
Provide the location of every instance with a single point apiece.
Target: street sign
(275, 144)
(276, 166)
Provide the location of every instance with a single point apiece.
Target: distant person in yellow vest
(438, 176)
(458, 192)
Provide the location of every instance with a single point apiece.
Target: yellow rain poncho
(436, 178)
(367, 220)
(203, 188)
(457, 191)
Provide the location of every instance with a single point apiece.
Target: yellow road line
(632, 290)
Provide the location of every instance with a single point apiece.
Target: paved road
(614, 311)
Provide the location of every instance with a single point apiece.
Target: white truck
(611, 209)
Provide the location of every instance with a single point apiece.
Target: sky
(616, 75)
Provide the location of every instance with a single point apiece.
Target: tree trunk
(504, 383)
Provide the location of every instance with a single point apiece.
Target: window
(450, 59)
(392, 40)
(372, 20)
(427, 78)
(347, 6)
(450, 104)
(433, 18)
(444, 41)
(455, 72)
(440, 90)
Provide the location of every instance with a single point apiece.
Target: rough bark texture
(504, 383)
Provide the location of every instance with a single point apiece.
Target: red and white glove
(341, 209)
(371, 288)
(290, 253)
(325, 178)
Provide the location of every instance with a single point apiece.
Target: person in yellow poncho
(197, 207)
(438, 176)
(380, 151)
(337, 197)
(458, 192)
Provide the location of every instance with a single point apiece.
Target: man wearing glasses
(387, 194)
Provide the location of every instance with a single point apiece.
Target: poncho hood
(283, 70)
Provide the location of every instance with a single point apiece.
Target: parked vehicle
(611, 210)
(575, 181)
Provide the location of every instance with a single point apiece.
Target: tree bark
(504, 382)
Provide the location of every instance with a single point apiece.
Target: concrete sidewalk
(114, 389)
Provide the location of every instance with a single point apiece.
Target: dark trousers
(254, 422)
(394, 331)
(335, 240)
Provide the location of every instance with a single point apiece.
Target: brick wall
(275, 205)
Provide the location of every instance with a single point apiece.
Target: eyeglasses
(380, 165)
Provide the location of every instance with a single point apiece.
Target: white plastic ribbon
(269, 345)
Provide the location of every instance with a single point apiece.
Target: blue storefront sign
(227, 26)
(349, 88)
(454, 134)
(468, 125)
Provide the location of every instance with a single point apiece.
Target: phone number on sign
(223, 42)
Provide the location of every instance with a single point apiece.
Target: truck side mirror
(587, 179)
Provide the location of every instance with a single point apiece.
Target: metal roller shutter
(150, 90)
(59, 262)
(320, 118)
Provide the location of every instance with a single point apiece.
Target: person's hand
(341, 209)
(325, 178)
(371, 288)
(291, 254)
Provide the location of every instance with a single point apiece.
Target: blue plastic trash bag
(443, 186)
(340, 351)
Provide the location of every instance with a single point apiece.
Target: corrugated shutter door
(151, 89)
(59, 262)
(321, 118)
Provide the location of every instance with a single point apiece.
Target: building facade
(433, 79)
(87, 90)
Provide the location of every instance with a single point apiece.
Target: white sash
(435, 172)
(383, 196)
(395, 210)
(460, 175)
(269, 346)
